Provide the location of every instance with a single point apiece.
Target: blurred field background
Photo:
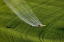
(49, 12)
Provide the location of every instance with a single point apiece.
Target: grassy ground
(49, 12)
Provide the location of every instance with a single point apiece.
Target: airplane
(40, 25)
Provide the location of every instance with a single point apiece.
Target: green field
(49, 12)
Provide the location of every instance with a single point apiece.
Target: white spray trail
(23, 11)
